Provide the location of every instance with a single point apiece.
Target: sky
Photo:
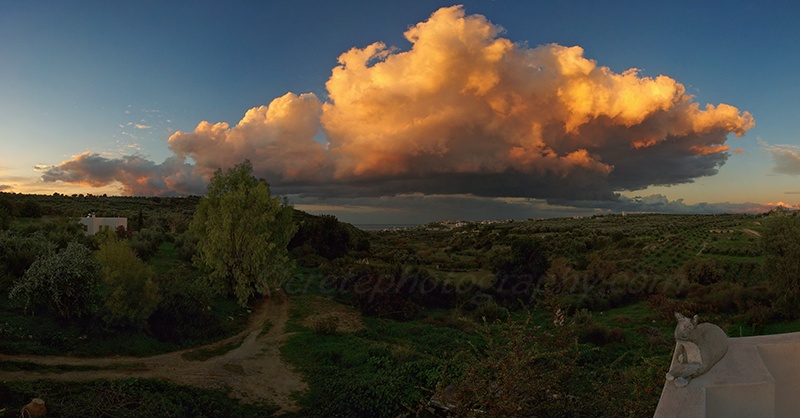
(409, 111)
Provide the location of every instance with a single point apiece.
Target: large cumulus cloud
(463, 111)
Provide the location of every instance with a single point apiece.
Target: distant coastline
(378, 227)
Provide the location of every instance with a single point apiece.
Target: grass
(127, 398)
(371, 372)
(166, 258)
(19, 366)
(24, 366)
(45, 334)
(482, 278)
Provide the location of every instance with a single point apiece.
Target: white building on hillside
(93, 225)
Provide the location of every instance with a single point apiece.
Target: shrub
(64, 282)
(146, 242)
(129, 293)
(325, 324)
(781, 246)
(31, 209)
(184, 313)
(703, 271)
(491, 312)
(757, 315)
(524, 371)
(17, 253)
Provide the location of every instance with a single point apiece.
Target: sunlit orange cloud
(278, 139)
(706, 150)
(464, 96)
(463, 110)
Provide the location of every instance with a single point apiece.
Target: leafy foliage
(127, 398)
(524, 371)
(781, 246)
(242, 233)
(146, 242)
(520, 272)
(324, 235)
(184, 313)
(6, 213)
(64, 282)
(18, 252)
(129, 293)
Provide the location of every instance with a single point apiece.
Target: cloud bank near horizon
(463, 111)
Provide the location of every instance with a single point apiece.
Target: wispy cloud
(785, 158)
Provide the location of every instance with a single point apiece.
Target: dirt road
(253, 372)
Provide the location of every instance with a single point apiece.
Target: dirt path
(253, 372)
(750, 231)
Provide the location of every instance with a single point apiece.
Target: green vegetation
(242, 234)
(129, 293)
(550, 317)
(64, 282)
(127, 398)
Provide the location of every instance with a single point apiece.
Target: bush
(703, 271)
(17, 253)
(184, 313)
(599, 334)
(325, 324)
(491, 312)
(6, 214)
(129, 293)
(518, 273)
(64, 282)
(30, 209)
(524, 371)
(781, 246)
(146, 242)
(126, 398)
(186, 245)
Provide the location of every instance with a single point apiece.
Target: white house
(93, 225)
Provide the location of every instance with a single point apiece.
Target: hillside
(566, 316)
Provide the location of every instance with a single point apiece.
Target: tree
(64, 282)
(325, 235)
(242, 233)
(31, 209)
(518, 274)
(781, 246)
(129, 293)
(6, 213)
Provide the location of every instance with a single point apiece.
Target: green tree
(129, 293)
(31, 209)
(6, 213)
(781, 246)
(242, 233)
(325, 235)
(518, 273)
(64, 282)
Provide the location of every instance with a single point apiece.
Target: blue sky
(117, 79)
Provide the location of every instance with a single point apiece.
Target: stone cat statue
(698, 347)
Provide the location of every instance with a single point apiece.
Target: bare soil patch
(253, 372)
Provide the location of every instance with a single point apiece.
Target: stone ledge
(758, 377)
